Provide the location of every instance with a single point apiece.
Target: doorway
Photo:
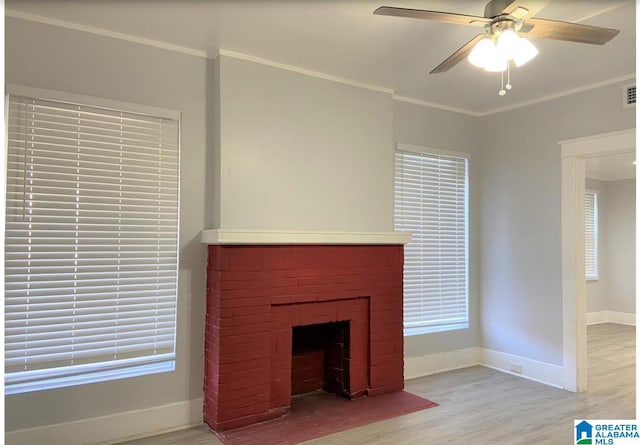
(574, 154)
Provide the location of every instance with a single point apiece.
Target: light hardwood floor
(482, 406)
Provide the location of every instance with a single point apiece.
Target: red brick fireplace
(288, 319)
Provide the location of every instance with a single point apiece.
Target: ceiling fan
(505, 20)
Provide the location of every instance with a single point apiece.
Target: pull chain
(508, 86)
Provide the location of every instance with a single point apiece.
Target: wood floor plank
(483, 406)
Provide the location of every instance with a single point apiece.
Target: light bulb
(480, 52)
(508, 44)
(525, 52)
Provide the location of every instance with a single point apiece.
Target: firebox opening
(320, 358)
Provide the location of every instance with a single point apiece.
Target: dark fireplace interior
(320, 358)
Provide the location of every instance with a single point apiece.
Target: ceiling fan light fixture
(525, 52)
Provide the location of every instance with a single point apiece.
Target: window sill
(409, 332)
(96, 377)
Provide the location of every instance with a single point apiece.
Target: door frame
(574, 323)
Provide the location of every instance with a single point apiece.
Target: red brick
(246, 420)
(250, 329)
(252, 407)
(386, 373)
(244, 393)
(399, 386)
(262, 364)
(245, 320)
(293, 298)
(249, 348)
(259, 297)
(386, 347)
(280, 393)
(235, 357)
(232, 275)
(255, 291)
(358, 378)
(281, 341)
(244, 375)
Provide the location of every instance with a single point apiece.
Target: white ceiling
(343, 38)
(612, 167)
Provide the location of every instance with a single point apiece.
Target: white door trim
(574, 324)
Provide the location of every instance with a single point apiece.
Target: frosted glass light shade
(495, 65)
(485, 55)
(494, 62)
(525, 52)
(480, 52)
(508, 44)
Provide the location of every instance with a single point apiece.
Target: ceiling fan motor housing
(495, 7)
(502, 24)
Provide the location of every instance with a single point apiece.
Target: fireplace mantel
(278, 237)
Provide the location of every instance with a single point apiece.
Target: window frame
(420, 150)
(55, 379)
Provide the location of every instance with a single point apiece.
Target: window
(91, 244)
(431, 202)
(591, 234)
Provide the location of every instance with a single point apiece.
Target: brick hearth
(257, 294)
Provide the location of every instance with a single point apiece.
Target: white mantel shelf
(276, 237)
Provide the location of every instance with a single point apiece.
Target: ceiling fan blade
(572, 32)
(460, 19)
(524, 9)
(456, 57)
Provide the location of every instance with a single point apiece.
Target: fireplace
(289, 319)
(320, 358)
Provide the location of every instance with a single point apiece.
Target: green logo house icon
(584, 432)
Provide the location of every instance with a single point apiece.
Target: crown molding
(549, 97)
(306, 72)
(104, 32)
(424, 103)
(609, 8)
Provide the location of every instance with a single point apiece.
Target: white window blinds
(591, 234)
(91, 244)
(431, 203)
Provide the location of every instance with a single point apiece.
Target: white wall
(54, 58)
(597, 289)
(429, 127)
(621, 242)
(520, 250)
(303, 153)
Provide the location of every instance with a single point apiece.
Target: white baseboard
(113, 428)
(596, 317)
(463, 358)
(535, 370)
(440, 362)
(611, 317)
